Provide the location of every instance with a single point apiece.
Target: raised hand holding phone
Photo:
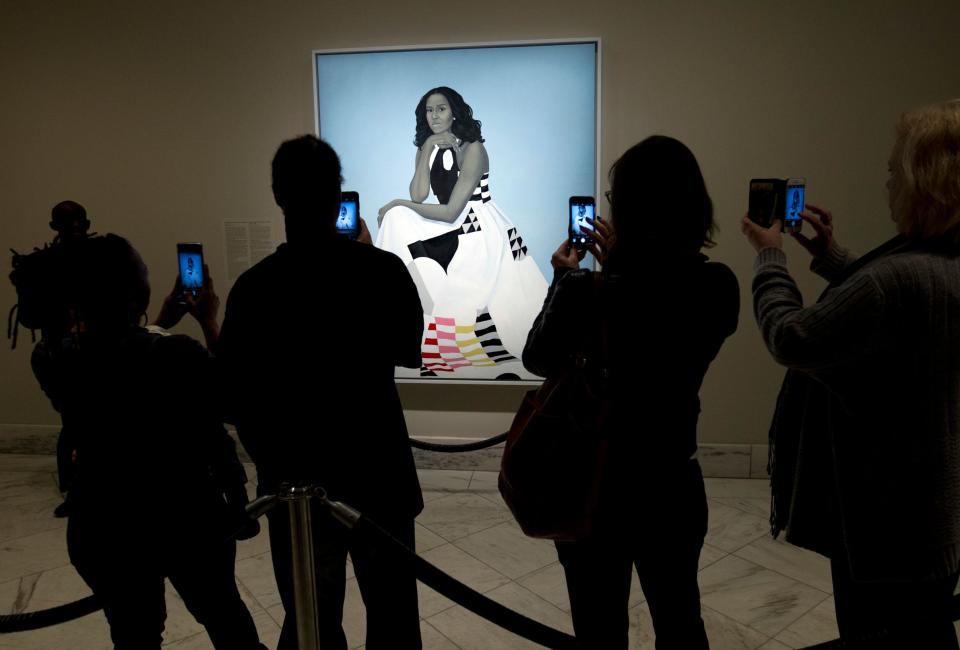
(822, 221)
(567, 256)
(364, 235)
(206, 305)
(602, 239)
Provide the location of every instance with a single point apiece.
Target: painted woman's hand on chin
(445, 140)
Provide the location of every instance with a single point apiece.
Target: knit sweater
(884, 345)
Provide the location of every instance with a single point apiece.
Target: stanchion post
(304, 575)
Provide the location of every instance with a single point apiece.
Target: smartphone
(190, 263)
(583, 210)
(796, 190)
(765, 203)
(348, 221)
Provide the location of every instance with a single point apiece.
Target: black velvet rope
(458, 447)
(47, 617)
(25, 621)
(463, 595)
(427, 573)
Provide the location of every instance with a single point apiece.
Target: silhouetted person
(158, 486)
(668, 310)
(309, 343)
(69, 220)
(865, 442)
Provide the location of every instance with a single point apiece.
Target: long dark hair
(659, 200)
(98, 282)
(464, 126)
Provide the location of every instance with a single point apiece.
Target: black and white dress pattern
(479, 288)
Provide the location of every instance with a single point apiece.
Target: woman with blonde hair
(865, 442)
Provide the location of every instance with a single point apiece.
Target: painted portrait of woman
(473, 191)
(479, 287)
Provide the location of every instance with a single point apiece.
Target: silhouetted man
(69, 220)
(308, 347)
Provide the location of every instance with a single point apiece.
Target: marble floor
(756, 592)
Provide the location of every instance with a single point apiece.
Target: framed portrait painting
(464, 158)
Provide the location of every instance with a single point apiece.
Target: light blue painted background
(537, 104)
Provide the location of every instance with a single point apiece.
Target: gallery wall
(161, 118)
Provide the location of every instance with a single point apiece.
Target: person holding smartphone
(157, 484)
(865, 441)
(308, 350)
(653, 508)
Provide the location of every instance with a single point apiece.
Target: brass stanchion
(304, 574)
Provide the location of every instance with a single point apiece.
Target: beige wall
(161, 118)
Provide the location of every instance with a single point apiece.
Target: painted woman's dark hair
(464, 126)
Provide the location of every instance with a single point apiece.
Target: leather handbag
(554, 461)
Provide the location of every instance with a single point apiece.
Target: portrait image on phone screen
(582, 214)
(348, 222)
(190, 261)
(792, 221)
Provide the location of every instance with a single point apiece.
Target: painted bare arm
(475, 162)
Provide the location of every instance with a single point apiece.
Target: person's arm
(229, 352)
(420, 184)
(830, 265)
(173, 308)
(841, 328)
(405, 314)
(474, 163)
(203, 308)
(554, 330)
(212, 443)
(723, 300)
(363, 236)
(829, 258)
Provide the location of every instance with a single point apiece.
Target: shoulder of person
(914, 267)
(366, 259)
(576, 280)
(473, 150)
(180, 346)
(256, 273)
(721, 276)
(162, 352)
